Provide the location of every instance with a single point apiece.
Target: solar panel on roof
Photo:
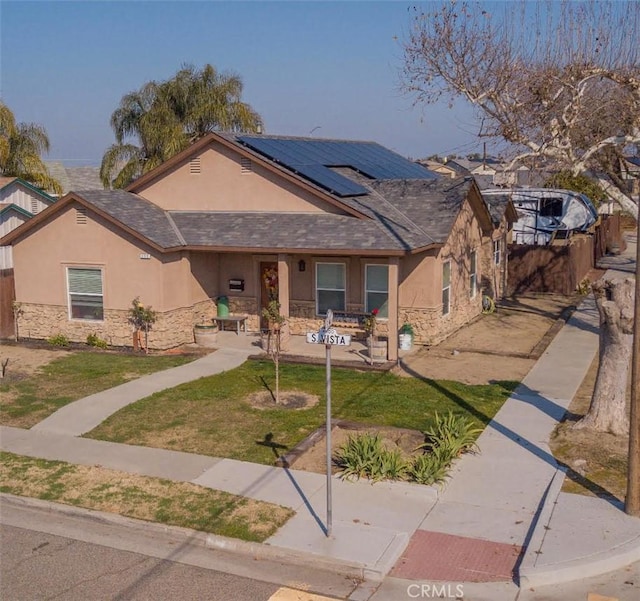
(334, 182)
(311, 159)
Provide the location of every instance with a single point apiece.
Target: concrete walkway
(83, 415)
(501, 516)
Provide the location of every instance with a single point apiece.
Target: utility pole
(632, 500)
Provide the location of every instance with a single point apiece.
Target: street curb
(256, 551)
(527, 568)
(530, 576)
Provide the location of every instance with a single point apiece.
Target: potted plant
(206, 334)
(377, 348)
(405, 336)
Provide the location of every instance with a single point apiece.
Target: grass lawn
(27, 401)
(152, 499)
(213, 415)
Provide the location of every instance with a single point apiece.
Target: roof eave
(297, 251)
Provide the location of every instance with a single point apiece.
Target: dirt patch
(596, 461)
(311, 454)
(499, 346)
(289, 399)
(25, 361)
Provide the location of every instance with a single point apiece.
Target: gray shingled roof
(282, 230)
(75, 178)
(497, 204)
(139, 214)
(431, 205)
(402, 214)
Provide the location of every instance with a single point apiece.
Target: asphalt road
(47, 554)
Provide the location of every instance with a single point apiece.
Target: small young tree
(141, 318)
(274, 324)
(18, 311)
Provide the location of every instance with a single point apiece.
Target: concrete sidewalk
(501, 516)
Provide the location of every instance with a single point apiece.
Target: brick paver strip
(438, 556)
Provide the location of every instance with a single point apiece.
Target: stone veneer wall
(431, 327)
(172, 328)
(240, 305)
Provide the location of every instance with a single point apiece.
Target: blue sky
(333, 66)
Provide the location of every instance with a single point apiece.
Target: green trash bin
(223, 306)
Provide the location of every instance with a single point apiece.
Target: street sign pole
(328, 336)
(327, 326)
(328, 439)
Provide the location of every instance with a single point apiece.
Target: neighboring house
(75, 178)
(316, 224)
(443, 168)
(19, 202)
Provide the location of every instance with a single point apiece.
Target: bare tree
(556, 80)
(608, 409)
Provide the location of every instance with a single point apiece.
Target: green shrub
(358, 455)
(97, 342)
(364, 456)
(430, 468)
(58, 340)
(452, 435)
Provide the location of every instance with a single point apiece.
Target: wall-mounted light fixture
(302, 266)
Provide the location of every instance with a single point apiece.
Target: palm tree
(166, 117)
(21, 145)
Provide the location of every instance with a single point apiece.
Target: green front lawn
(27, 401)
(152, 499)
(213, 416)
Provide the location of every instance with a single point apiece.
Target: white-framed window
(330, 287)
(376, 289)
(473, 274)
(85, 293)
(497, 251)
(446, 287)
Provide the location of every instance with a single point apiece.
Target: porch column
(392, 350)
(283, 297)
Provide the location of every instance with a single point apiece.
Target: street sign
(329, 337)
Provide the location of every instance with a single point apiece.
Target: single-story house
(19, 202)
(243, 219)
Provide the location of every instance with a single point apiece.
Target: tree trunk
(626, 203)
(608, 411)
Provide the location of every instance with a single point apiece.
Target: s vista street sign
(329, 337)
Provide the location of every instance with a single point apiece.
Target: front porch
(356, 354)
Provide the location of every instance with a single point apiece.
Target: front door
(268, 288)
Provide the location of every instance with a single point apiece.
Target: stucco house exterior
(316, 224)
(19, 202)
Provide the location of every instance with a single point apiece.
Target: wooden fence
(560, 268)
(7, 296)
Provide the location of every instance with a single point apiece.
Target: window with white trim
(330, 287)
(497, 251)
(446, 287)
(85, 293)
(473, 274)
(376, 289)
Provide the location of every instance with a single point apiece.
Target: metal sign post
(328, 336)
(327, 326)
(328, 438)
